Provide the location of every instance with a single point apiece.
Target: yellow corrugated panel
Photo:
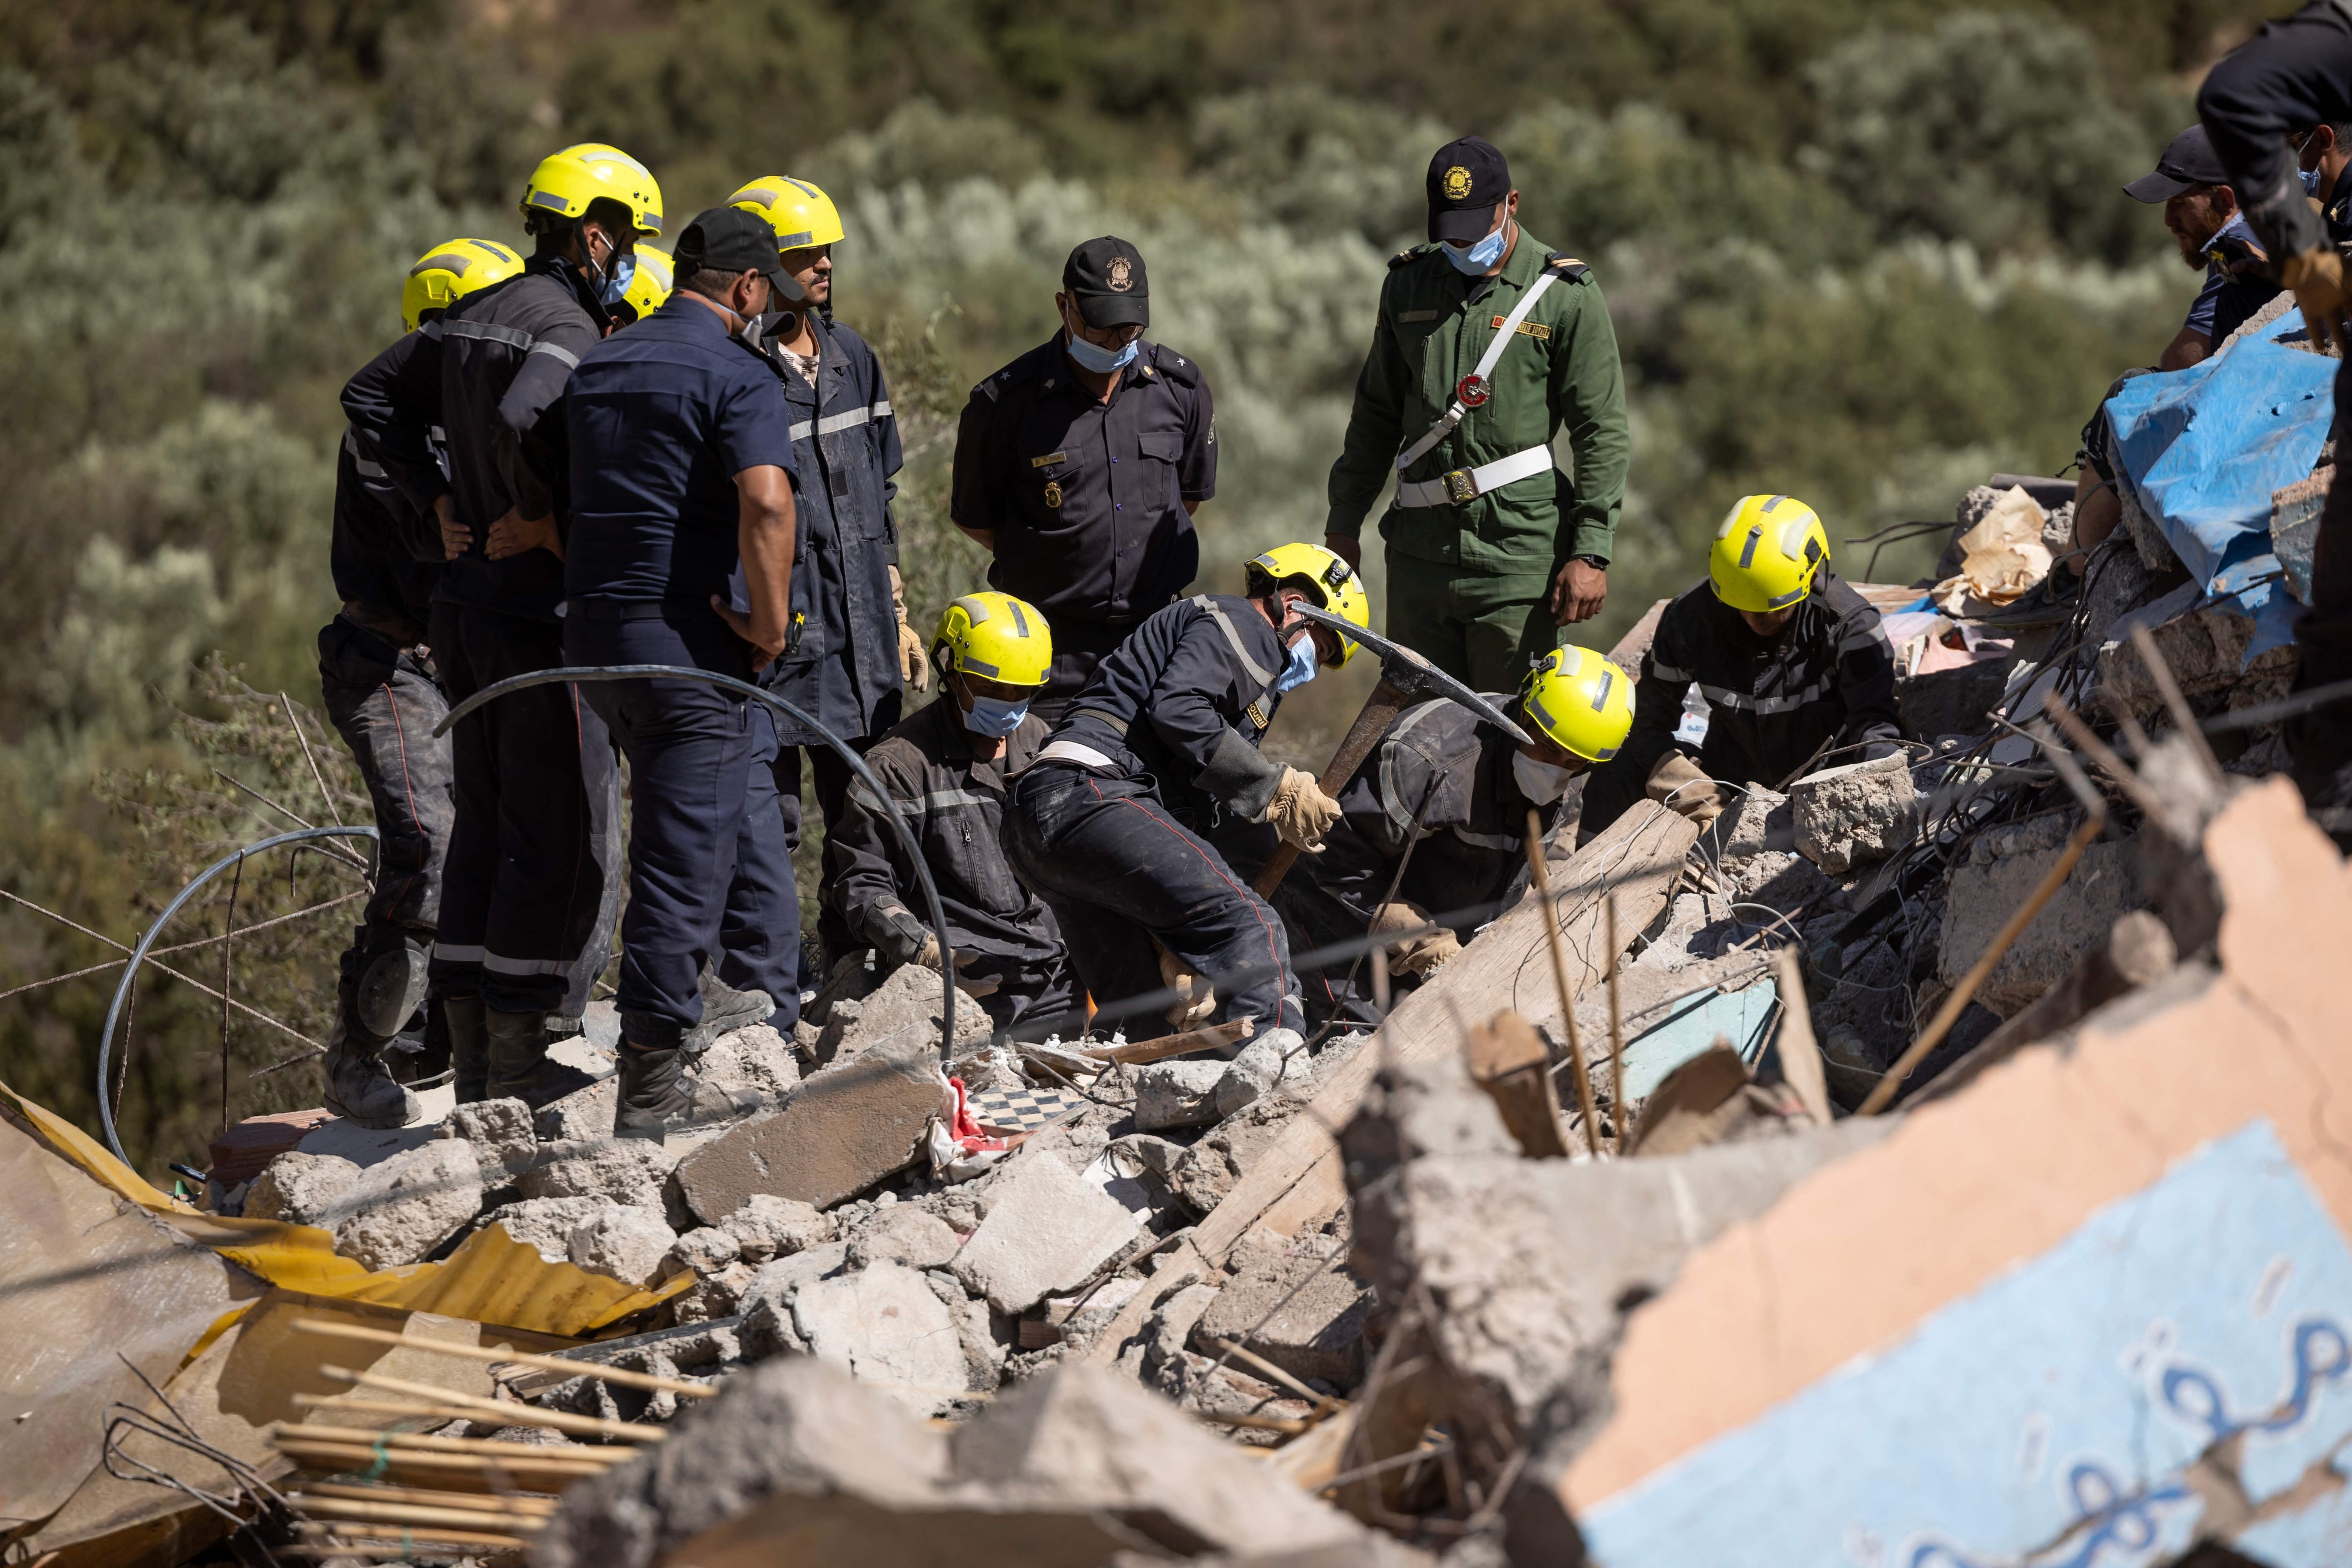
(490, 1278)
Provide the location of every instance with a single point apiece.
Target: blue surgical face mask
(616, 280)
(1092, 357)
(1472, 260)
(994, 715)
(1302, 666)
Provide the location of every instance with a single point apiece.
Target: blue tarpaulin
(2205, 448)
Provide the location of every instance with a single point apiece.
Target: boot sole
(409, 1113)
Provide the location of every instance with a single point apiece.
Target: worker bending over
(945, 769)
(1433, 825)
(1793, 664)
(1112, 823)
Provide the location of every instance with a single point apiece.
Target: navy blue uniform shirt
(662, 417)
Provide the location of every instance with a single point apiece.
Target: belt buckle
(1460, 485)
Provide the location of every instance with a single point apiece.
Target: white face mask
(1540, 781)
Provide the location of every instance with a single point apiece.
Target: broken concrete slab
(2004, 866)
(400, 1210)
(1857, 812)
(707, 1249)
(906, 1236)
(765, 1225)
(1759, 821)
(847, 1128)
(503, 1133)
(765, 1300)
(884, 1324)
(301, 1190)
(1179, 1093)
(1047, 1230)
(2206, 649)
(632, 1172)
(1316, 1326)
(547, 1223)
(755, 1060)
(1258, 1069)
(908, 1002)
(582, 1116)
(2180, 1164)
(630, 1245)
(1202, 1176)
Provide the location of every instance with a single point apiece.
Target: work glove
(1415, 957)
(1197, 1000)
(2316, 276)
(1684, 787)
(1300, 812)
(914, 658)
(903, 939)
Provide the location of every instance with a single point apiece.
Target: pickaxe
(1405, 678)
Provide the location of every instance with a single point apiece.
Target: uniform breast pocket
(1162, 451)
(1053, 484)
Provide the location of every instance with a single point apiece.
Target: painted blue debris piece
(2206, 447)
(1744, 1018)
(2051, 1417)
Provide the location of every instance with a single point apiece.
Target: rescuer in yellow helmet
(448, 272)
(1791, 665)
(946, 769)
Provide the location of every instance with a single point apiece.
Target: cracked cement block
(846, 1128)
(1755, 822)
(582, 1116)
(765, 1225)
(1859, 812)
(1179, 1093)
(1317, 1329)
(906, 1236)
(301, 1190)
(400, 1210)
(756, 1060)
(2004, 867)
(766, 1299)
(2206, 650)
(1170, 1327)
(908, 1003)
(626, 1244)
(1200, 1177)
(1257, 1069)
(1048, 1230)
(886, 1325)
(707, 1249)
(630, 1171)
(501, 1132)
(547, 1223)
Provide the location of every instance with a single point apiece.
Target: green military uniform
(1468, 580)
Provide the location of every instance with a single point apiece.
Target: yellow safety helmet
(1580, 701)
(997, 638)
(801, 214)
(1337, 587)
(450, 271)
(650, 285)
(1767, 553)
(566, 182)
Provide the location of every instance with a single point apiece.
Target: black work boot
(469, 1048)
(360, 1088)
(392, 988)
(520, 1068)
(724, 1010)
(658, 1097)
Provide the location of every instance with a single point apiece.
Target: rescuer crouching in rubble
(1433, 826)
(946, 769)
(1794, 666)
(1112, 823)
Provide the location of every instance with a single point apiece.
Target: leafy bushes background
(1864, 252)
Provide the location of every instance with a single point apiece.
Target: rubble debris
(885, 1325)
(755, 1060)
(502, 1131)
(906, 1236)
(846, 1128)
(1047, 1231)
(401, 1211)
(909, 999)
(1258, 1068)
(2206, 650)
(632, 1172)
(2294, 526)
(765, 1225)
(632, 1245)
(1710, 1100)
(240, 1151)
(300, 1189)
(1179, 1093)
(2004, 866)
(547, 1223)
(1303, 1311)
(1856, 812)
(2001, 555)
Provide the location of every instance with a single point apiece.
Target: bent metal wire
(790, 710)
(139, 954)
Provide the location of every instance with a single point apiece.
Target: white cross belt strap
(1465, 484)
(1071, 751)
(1456, 410)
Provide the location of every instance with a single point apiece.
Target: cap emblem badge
(1458, 183)
(1119, 274)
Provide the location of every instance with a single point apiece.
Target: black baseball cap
(1467, 178)
(729, 239)
(2189, 162)
(1106, 278)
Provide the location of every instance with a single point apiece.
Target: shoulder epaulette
(1175, 366)
(1408, 254)
(1567, 267)
(993, 386)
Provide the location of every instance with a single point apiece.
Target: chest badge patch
(1458, 183)
(1053, 493)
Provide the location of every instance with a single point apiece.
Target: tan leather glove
(914, 655)
(1197, 1000)
(1300, 812)
(1416, 957)
(2316, 276)
(1680, 783)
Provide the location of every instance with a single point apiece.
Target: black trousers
(829, 778)
(1312, 917)
(759, 933)
(2320, 741)
(532, 875)
(1117, 870)
(689, 749)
